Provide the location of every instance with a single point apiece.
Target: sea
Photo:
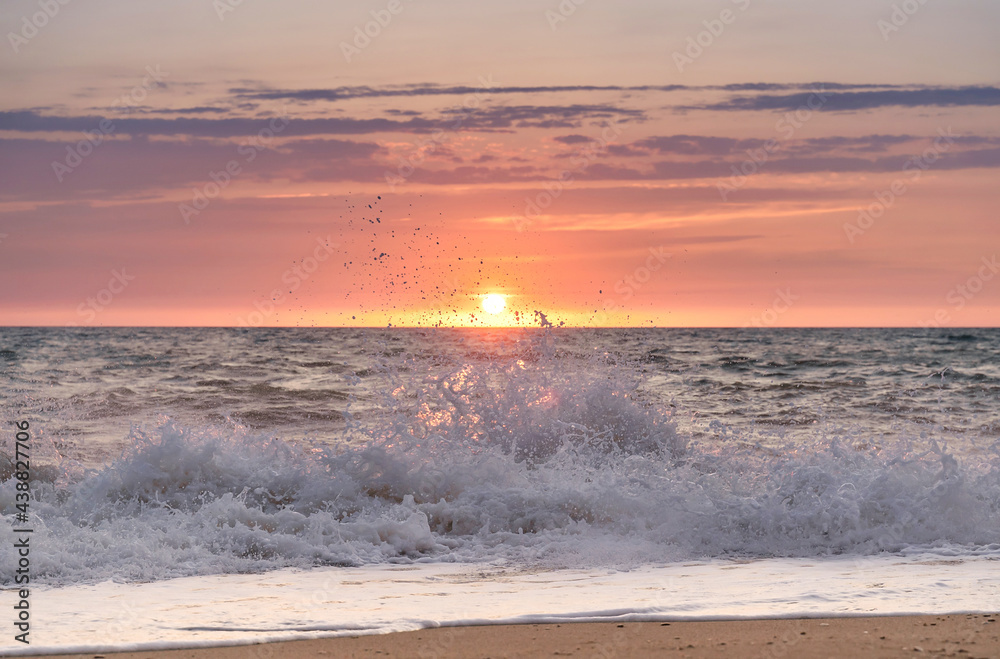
(219, 486)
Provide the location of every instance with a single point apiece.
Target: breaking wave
(526, 458)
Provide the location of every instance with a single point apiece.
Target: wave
(544, 462)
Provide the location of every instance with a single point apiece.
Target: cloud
(675, 144)
(543, 116)
(853, 101)
(696, 144)
(715, 146)
(573, 139)
(499, 118)
(334, 94)
(124, 168)
(346, 93)
(201, 109)
(29, 121)
(867, 143)
(130, 168)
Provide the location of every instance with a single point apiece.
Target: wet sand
(967, 636)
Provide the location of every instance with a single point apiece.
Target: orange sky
(602, 163)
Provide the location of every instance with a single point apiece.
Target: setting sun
(494, 303)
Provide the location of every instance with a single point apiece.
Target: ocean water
(840, 471)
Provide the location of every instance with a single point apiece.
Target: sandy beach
(968, 636)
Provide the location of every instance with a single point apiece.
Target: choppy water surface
(171, 452)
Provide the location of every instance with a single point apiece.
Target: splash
(516, 453)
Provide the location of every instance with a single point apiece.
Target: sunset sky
(637, 163)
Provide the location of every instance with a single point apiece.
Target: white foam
(299, 604)
(479, 466)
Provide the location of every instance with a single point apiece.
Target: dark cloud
(853, 101)
(573, 139)
(543, 116)
(345, 93)
(123, 168)
(704, 145)
(29, 121)
(625, 151)
(712, 168)
(426, 89)
(492, 118)
(201, 109)
(695, 144)
(146, 109)
(978, 159)
(867, 143)
(129, 168)
(675, 144)
(468, 174)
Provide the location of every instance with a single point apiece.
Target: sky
(735, 163)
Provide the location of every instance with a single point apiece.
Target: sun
(494, 303)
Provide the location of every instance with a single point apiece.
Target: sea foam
(528, 459)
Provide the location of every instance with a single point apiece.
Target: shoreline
(960, 635)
